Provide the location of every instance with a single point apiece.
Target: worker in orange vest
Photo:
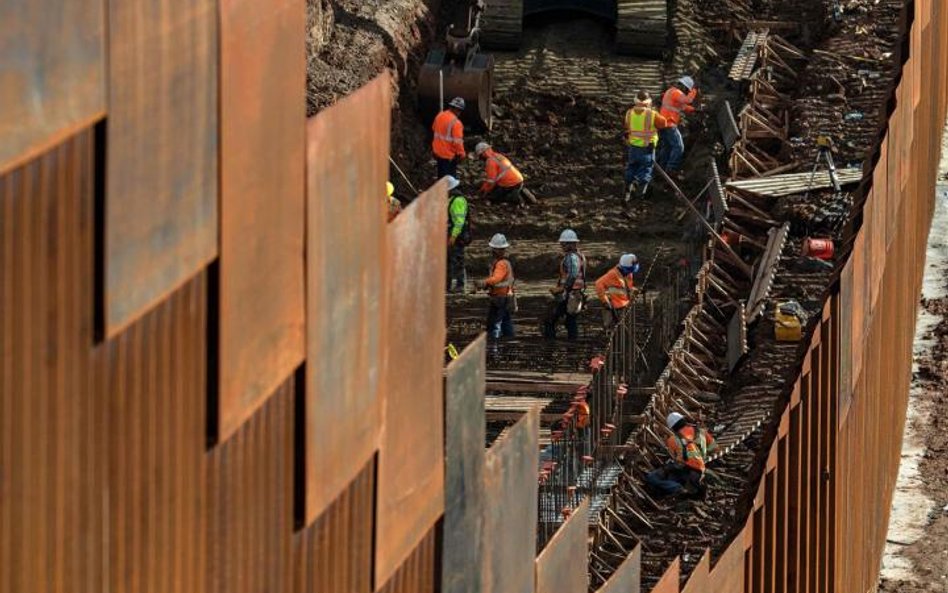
(615, 287)
(688, 447)
(676, 101)
(502, 181)
(394, 205)
(642, 125)
(500, 288)
(447, 144)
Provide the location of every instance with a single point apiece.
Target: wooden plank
(262, 184)
(795, 183)
(766, 271)
(52, 83)
(346, 298)
(162, 170)
(411, 456)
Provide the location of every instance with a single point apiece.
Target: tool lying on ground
(459, 70)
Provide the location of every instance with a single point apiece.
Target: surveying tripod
(824, 145)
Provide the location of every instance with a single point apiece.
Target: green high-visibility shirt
(457, 215)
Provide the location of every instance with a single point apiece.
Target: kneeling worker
(615, 287)
(688, 447)
(502, 181)
(500, 289)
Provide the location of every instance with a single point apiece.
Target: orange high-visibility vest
(674, 102)
(500, 171)
(615, 289)
(501, 280)
(689, 446)
(448, 141)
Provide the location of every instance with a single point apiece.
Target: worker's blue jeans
(671, 479)
(639, 166)
(671, 149)
(499, 321)
(558, 312)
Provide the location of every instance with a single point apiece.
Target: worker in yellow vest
(642, 124)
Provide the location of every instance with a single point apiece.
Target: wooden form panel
(562, 565)
(510, 525)
(346, 294)
(250, 512)
(262, 162)
(161, 201)
(52, 458)
(464, 508)
(52, 83)
(411, 456)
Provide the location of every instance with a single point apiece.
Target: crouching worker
(688, 447)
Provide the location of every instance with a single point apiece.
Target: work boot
(630, 189)
(643, 191)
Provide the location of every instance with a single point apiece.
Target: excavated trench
(559, 105)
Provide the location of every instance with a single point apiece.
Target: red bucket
(818, 248)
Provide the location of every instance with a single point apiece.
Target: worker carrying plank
(642, 126)
(688, 447)
(500, 289)
(447, 144)
(459, 235)
(615, 289)
(569, 296)
(676, 101)
(503, 183)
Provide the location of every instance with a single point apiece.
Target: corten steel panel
(846, 351)
(347, 151)
(51, 455)
(727, 575)
(628, 577)
(562, 566)
(262, 185)
(52, 83)
(700, 577)
(161, 200)
(879, 178)
(153, 377)
(858, 305)
(250, 507)
(465, 435)
(669, 581)
(417, 574)
(510, 476)
(411, 455)
(334, 554)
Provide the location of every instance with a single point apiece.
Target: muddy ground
(917, 555)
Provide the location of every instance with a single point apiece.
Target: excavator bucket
(440, 79)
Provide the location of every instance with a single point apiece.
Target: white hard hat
(628, 260)
(673, 419)
(481, 148)
(569, 236)
(499, 241)
(452, 182)
(457, 103)
(687, 82)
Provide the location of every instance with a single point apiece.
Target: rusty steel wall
(262, 177)
(561, 566)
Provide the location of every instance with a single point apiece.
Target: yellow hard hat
(389, 189)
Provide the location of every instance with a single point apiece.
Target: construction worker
(459, 236)
(569, 293)
(676, 101)
(688, 447)
(642, 124)
(500, 289)
(448, 141)
(614, 288)
(394, 206)
(502, 181)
